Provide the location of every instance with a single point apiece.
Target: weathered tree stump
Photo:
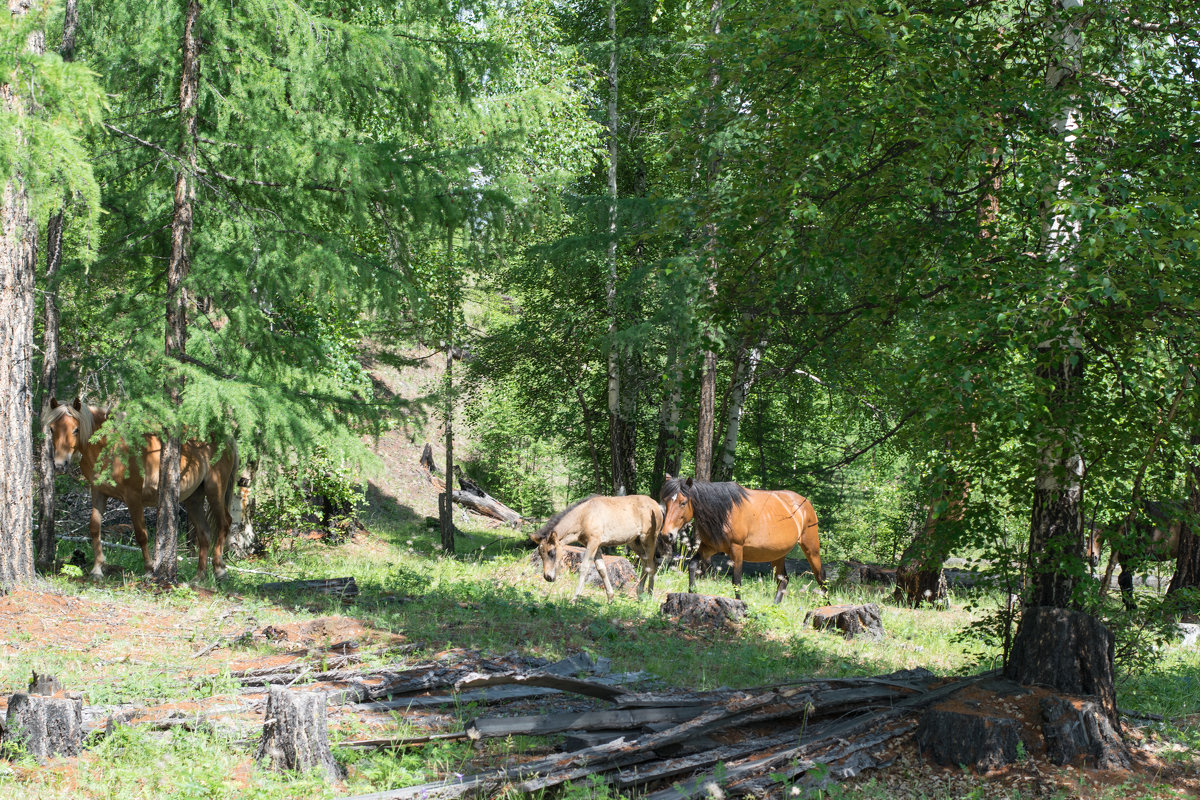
(1065, 650)
(296, 734)
(850, 620)
(703, 609)
(44, 726)
(46, 685)
(1075, 727)
(956, 738)
(620, 571)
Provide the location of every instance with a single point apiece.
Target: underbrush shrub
(321, 491)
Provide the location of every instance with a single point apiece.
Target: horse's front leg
(649, 566)
(735, 552)
(137, 512)
(98, 503)
(589, 555)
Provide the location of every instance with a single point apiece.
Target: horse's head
(548, 549)
(68, 428)
(677, 506)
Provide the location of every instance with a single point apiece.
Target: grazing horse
(73, 429)
(1155, 538)
(745, 524)
(596, 522)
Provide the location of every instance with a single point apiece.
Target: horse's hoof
(219, 574)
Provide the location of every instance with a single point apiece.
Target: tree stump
(703, 609)
(1065, 650)
(620, 571)
(851, 620)
(44, 726)
(296, 734)
(956, 738)
(1075, 727)
(46, 685)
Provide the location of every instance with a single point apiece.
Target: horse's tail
(544, 531)
(214, 521)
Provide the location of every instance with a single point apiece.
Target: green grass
(490, 598)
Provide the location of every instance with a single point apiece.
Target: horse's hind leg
(216, 502)
(98, 503)
(1125, 581)
(589, 555)
(137, 513)
(735, 553)
(603, 570)
(781, 578)
(195, 509)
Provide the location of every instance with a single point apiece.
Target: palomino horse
(596, 522)
(1155, 538)
(745, 524)
(73, 428)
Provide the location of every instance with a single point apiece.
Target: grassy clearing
(489, 598)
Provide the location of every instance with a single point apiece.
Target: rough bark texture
(1187, 561)
(54, 236)
(44, 726)
(666, 451)
(1065, 650)
(851, 620)
(740, 385)
(296, 734)
(240, 542)
(955, 738)
(704, 419)
(920, 576)
(18, 254)
(445, 504)
(166, 538)
(703, 609)
(1079, 728)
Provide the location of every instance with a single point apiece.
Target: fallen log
(340, 587)
(475, 499)
(546, 724)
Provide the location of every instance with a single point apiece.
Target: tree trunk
(18, 256)
(621, 431)
(740, 384)
(597, 470)
(166, 538)
(1187, 567)
(54, 234)
(240, 541)
(445, 504)
(919, 575)
(666, 452)
(704, 418)
(708, 375)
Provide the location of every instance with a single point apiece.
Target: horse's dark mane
(544, 531)
(711, 504)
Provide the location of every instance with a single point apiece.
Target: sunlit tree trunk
(18, 254)
(445, 501)
(1187, 563)
(166, 539)
(740, 384)
(49, 385)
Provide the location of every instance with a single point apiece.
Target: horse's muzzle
(61, 466)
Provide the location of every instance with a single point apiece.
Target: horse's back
(770, 523)
(620, 518)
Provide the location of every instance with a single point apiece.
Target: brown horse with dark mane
(1155, 538)
(745, 524)
(596, 522)
(72, 429)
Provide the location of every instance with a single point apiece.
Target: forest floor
(169, 664)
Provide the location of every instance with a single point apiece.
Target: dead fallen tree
(771, 735)
(471, 496)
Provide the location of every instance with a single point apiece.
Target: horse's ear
(689, 483)
(78, 404)
(667, 476)
(54, 402)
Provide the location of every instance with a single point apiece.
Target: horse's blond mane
(85, 415)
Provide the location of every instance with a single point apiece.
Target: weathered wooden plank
(344, 587)
(545, 724)
(603, 689)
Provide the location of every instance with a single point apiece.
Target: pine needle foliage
(325, 161)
